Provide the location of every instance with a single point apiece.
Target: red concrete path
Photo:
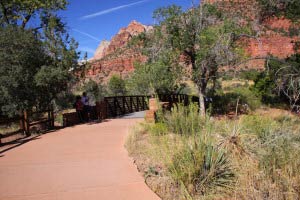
(87, 162)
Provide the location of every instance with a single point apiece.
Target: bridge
(86, 161)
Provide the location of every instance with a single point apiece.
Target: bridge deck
(84, 162)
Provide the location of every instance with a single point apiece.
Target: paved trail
(86, 162)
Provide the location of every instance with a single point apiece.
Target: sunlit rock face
(114, 57)
(276, 36)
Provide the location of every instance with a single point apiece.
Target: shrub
(201, 167)
(227, 102)
(184, 120)
(249, 75)
(159, 129)
(116, 86)
(96, 91)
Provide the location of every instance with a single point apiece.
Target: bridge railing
(115, 106)
(122, 105)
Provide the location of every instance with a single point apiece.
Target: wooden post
(26, 123)
(52, 117)
(143, 99)
(124, 107)
(49, 119)
(138, 104)
(115, 107)
(130, 102)
(22, 123)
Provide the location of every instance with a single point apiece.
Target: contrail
(103, 12)
(86, 34)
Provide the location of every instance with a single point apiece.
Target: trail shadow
(4, 147)
(14, 144)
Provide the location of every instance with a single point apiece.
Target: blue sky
(92, 21)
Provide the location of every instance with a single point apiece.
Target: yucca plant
(201, 167)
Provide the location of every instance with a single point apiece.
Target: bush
(159, 129)
(185, 120)
(201, 167)
(116, 86)
(249, 75)
(227, 102)
(96, 91)
(260, 126)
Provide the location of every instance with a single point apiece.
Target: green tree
(20, 12)
(117, 86)
(152, 78)
(96, 91)
(203, 36)
(21, 57)
(41, 56)
(281, 81)
(287, 8)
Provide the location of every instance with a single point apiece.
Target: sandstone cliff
(275, 35)
(114, 57)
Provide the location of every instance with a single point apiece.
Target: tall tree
(21, 57)
(202, 35)
(20, 12)
(48, 50)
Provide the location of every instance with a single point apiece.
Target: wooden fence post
(22, 123)
(138, 104)
(26, 123)
(52, 117)
(130, 102)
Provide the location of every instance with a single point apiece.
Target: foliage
(20, 12)
(21, 57)
(280, 82)
(207, 42)
(64, 100)
(243, 97)
(96, 91)
(263, 150)
(287, 8)
(249, 75)
(184, 120)
(40, 57)
(116, 86)
(203, 166)
(152, 78)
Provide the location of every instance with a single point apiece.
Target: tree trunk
(201, 103)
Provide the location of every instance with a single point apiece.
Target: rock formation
(276, 36)
(114, 57)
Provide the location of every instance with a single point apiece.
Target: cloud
(86, 34)
(103, 12)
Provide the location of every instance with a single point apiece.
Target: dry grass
(262, 150)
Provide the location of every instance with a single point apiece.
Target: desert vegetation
(240, 141)
(187, 156)
(243, 143)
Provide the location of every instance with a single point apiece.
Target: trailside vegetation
(37, 54)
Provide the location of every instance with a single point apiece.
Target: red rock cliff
(114, 57)
(275, 36)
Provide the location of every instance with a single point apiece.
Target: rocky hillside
(277, 36)
(114, 57)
